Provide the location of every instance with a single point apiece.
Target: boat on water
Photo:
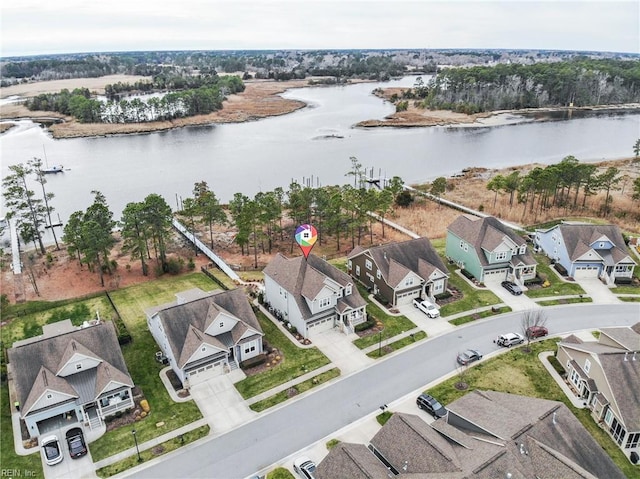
(53, 169)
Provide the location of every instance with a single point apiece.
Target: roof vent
(634, 356)
(73, 345)
(625, 357)
(554, 417)
(508, 475)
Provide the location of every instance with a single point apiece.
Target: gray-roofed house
(205, 334)
(313, 295)
(489, 250)
(588, 251)
(70, 374)
(485, 435)
(400, 272)
(605, 374)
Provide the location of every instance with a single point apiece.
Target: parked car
(304, 467)
(509, 339)
(536, 332)
(431, 405)
(513, 288)
(469, 356)
(427, 307)
(75, 441)
(51, 450)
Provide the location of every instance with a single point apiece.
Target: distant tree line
(204, 97)
(577, 82)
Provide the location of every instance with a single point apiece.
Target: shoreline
(262, 99)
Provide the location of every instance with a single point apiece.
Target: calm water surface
(262, 155)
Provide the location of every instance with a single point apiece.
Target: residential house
(588, 251)
(204, 334)
(400, 272)
(605, 374)
(485, 435)
(70, 375)
(489, 250)
(313, 295)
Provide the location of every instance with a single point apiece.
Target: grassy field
(519, 372)
(297, 361)
(24, 466)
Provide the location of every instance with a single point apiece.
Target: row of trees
(560, 186)
(578, 82)
(80, 104)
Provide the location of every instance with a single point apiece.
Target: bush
(332, 443)
(369, 323)
(560, 269)
(144, 404)
(467, 274)
(442, 296)
(174, 266)
(254, 361)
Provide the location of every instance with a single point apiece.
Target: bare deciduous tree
(532, 318)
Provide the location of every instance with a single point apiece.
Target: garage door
(320, 326)
(205, 372)
(407, 298)
(495, 275)
(583, 272)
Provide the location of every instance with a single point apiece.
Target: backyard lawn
(297, 361)
(519, 372)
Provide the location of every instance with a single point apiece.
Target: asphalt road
(287, 429)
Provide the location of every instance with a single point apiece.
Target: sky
(33, 27)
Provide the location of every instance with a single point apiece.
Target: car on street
(431, 405)
(513, 288)
(75, 441)
(51, 450)
(509, 339)
(304, 467)
(536, 332)
(427, 307)
(469, 356)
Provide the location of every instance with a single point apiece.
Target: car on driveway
(536, 332)
(509, 339)
(304, 467)
(427, 307)
(75, 441)
(469, 356)
(51, 450)
(513, 288)
(431, 405)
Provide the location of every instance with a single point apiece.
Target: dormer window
(409, 282)
(324, 303)
(601, 245)
(368, 264)
(378, 274)
(203, 349)
(501, 256)
(348, 290)
(221, 324)
(78, 366)
(523, 249)
(587, 365)
(49, 396)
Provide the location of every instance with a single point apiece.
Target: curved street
(276, 434)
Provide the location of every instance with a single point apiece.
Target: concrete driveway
(81, 468)
(516, 303)
(221, 404)
(431, 326)
(341, 351)
(598, 291)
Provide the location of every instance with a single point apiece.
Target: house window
(357, 270)
(601, 245)
(408, 282)
(608, 417)
(587, 365)
(378, 274)
(368, 264)
(78, 366)
(203, 349)
(633, 440)
(622, 268)
(501, 256)
(438, 287)
(523, 249)
(325, 302)
(349, 264)
(464, 246)
(49, 396)
(348, 290)
(617, 431)
(249, 349)
(221, 324)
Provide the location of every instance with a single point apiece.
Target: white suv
(427, 308)
(509, 339)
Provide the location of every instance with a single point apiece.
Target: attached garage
(407, 297)
(585, 272)
(321, 325)
(204, 372)
(496, 275)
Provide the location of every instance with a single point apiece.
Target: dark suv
(431, 405)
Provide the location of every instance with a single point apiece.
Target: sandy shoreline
(261, 99)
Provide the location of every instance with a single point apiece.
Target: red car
(536, 332)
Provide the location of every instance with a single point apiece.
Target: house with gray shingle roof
(70, 374)
(605, 374)
(485, 435)
(588, 251)
(400, 272)
(313, 295)
(205, 334)
(489, 250)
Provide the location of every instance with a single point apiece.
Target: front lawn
(519, 372)
(479, 315)
(557, 287)
(472, 298)
(399, 344)
(297, 361)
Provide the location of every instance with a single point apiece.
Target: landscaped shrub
(560, 269)
(467, 274)
(254, 361)
(443, 296)
(144, 404)
(536, 280)
(369, 323)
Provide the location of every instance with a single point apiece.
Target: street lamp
(135, 439)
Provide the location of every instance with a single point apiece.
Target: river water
(313, 143)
